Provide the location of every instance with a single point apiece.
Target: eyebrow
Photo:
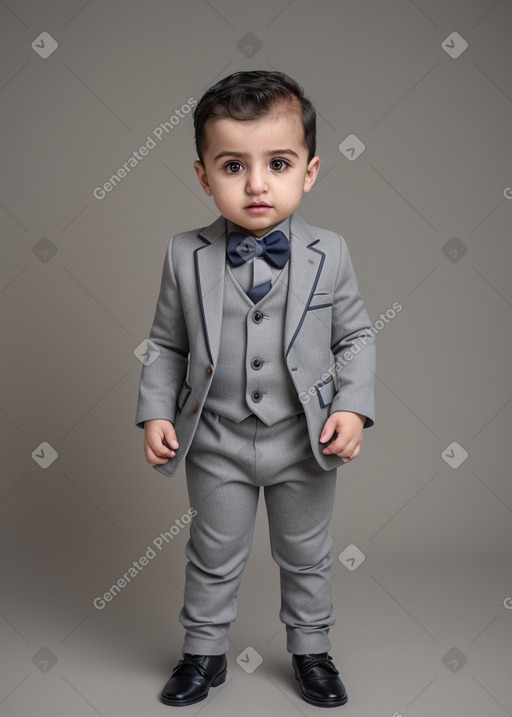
(241, 155)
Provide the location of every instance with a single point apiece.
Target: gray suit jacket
(328, 342)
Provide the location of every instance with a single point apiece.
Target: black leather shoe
(318, 680)
(192, 678)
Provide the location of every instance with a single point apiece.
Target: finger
(158, 449)
(351, 452)
(328, 430)
(170, 437)
(336, 447)
(151, 458)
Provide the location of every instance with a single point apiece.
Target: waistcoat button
(257, 317)
(196, 406)
(256, 396)
(256, 363)
(209, 370)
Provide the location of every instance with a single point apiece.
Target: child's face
(261, 161)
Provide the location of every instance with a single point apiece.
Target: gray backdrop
(422, 524)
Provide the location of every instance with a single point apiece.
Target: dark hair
(247, 96)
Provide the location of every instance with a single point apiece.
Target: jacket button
(196, 406)
(257, 363)
(257, 317)
(209, 370)
(256, 396)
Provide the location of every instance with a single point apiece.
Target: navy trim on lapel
(315, 282)
(200, 295)
(306, 264)
(210, 268)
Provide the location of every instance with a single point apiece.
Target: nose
(256, 181)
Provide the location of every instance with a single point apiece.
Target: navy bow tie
(275, 248)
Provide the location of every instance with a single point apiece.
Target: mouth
(258, 207)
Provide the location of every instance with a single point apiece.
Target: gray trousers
(225, 467)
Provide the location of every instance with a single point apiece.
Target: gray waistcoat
(251, 374)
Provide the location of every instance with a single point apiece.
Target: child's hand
(349, 427)
(160, 442)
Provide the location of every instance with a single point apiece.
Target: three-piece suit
(248, 387)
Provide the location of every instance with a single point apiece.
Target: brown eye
(233, 167)
(277, 164)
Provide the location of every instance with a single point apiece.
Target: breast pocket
(317, 324)
(320, 300)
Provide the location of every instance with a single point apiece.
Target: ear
(311, 173)
(203, 177)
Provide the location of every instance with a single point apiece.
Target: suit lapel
(306, 264)
(210, 262)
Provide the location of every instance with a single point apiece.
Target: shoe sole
(218, 680)
(332, 703)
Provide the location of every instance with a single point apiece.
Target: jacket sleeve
(352, 344)
(165, 367)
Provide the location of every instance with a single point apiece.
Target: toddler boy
(244, 386)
